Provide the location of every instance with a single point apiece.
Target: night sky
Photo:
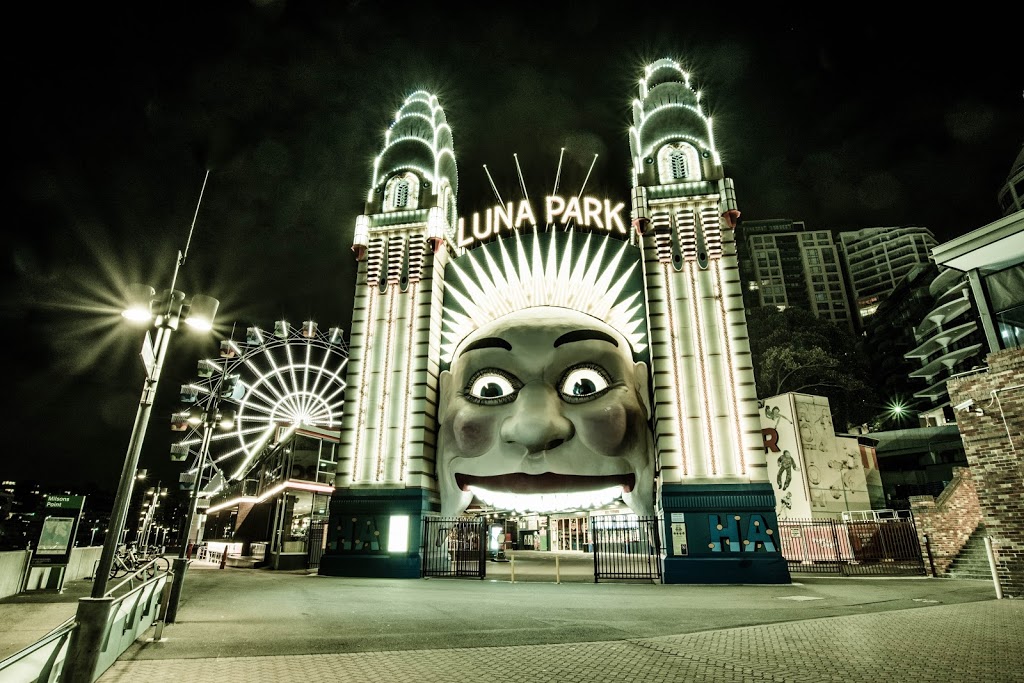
(114, 118)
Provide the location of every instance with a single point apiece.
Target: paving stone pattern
(976, 642)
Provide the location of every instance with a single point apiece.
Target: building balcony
(940, 314)
(944, 364)
(942, 339)
(944, 282)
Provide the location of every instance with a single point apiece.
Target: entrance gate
(454, 547)
(625, 547)
(887, 548)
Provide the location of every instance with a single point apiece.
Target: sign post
(56, 541)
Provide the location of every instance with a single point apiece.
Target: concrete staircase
(972, 561)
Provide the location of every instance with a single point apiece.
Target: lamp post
(209, 418)
(149, 519)
(165, 313)
(171, 305)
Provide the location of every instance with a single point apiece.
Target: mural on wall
(815, 472)
(783, 447)
(545, 403)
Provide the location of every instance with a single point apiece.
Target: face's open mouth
(545, 483)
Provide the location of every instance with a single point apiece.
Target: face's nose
(537, 422)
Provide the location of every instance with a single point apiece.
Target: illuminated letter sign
(583, 212)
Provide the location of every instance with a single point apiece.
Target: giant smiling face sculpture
(541, 401)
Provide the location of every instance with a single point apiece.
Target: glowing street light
(164, 313)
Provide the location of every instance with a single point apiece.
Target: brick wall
(948, 520)
(993, 435)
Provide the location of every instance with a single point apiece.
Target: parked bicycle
(129, 560)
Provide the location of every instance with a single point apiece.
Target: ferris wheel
(255, 394)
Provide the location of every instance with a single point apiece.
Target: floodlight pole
(94, 613)
(180, 564)
(209, 418)
(166, 324)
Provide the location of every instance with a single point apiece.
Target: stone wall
(992, 428)
(948, 520)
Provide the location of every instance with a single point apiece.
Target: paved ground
(290, 626)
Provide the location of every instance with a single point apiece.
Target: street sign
(148, 355)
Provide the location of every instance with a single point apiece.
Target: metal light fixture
(202, 311)
(140, 301)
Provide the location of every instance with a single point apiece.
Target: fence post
(931, 560)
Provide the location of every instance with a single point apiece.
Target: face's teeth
(547, 502)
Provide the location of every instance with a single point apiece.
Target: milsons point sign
(583, 212)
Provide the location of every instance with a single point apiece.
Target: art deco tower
(386, 452)
(705, 404)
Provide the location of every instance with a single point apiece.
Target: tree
(792, 350)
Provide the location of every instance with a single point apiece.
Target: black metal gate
(885, 548)
(454, 547)
(315, 543)
(625, 547)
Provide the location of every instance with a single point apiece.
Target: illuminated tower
(713, 478)
(385, 476)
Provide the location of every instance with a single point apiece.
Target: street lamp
(165, 313)
(149, 518)
(209, 418)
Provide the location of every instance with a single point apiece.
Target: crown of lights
(583, 278)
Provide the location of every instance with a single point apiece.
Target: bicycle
(129, 561)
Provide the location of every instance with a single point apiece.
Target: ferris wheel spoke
(292, 377)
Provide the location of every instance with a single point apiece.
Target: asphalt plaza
(296, 626)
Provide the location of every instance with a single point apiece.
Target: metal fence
(884, 548)
(454, 547)
(315, 543)
(625, 547)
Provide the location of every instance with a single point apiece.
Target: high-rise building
(784, 264)
(877, 259)
(1011, 194)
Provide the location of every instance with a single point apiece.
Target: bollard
(992, 566)
(178, 567)
(512, 567)
(558, 573)
(928, 549)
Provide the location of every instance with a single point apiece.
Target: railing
(454, 547)
(626, 547)
(831, 546)
(42, 661)
(102, 629)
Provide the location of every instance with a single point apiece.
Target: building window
(402, 192)
(678, 162)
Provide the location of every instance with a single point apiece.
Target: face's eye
(492, 387)
(583, 383)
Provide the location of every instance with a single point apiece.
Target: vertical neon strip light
(385, 375)
(702, 361)
(733, 391)
(407, 382)
(360, 410)
(674, 352)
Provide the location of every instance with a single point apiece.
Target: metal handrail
(20, 667)
(134, 575)
(37, 664)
